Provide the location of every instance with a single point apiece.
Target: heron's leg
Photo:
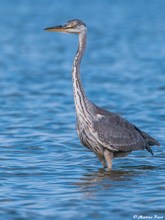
(108, 155)
(102, 160)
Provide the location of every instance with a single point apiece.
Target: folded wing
(118, 134)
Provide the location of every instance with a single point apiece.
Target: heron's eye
(71, 25)
(74, 25)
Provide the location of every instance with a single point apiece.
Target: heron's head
(75, 26)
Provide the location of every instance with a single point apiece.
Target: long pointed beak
(58, 28)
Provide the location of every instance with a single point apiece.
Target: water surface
(45, 172)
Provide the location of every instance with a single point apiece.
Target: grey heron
(105, 133)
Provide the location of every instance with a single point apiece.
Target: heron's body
(107, 134)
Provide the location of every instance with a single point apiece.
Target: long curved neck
(82, 104)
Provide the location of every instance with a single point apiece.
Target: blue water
(45, 173)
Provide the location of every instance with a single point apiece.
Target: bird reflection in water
(105, 179)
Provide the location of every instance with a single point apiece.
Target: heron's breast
(87, 136)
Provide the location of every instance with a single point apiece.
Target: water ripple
(44, 170)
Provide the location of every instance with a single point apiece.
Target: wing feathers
(116, 133)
